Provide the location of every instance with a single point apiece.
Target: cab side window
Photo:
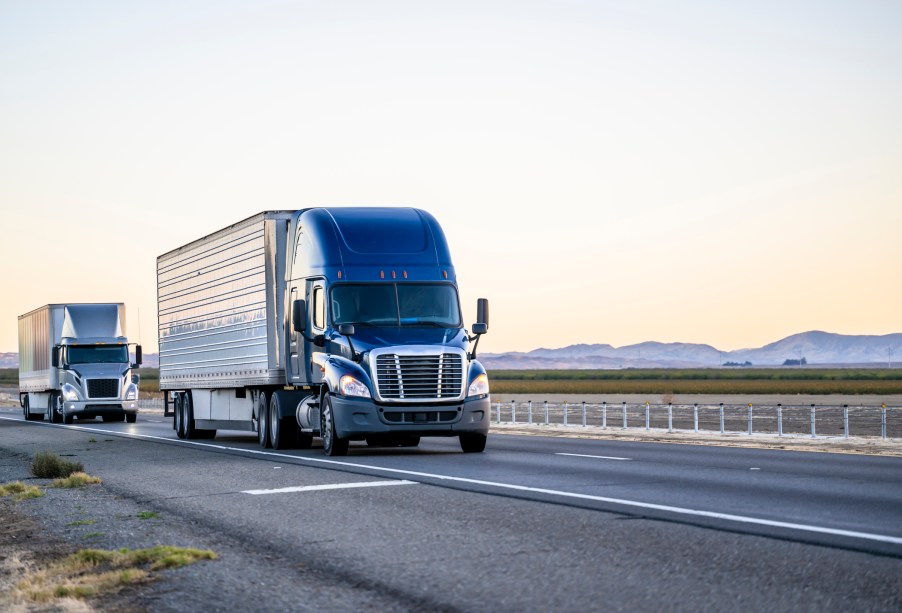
(319, 309)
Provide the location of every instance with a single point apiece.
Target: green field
(655, 381)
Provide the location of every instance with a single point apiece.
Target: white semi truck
(74, 362)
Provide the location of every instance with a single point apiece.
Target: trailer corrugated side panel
(39, 331)
(220, 307)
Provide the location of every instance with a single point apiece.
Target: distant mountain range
(816, 348)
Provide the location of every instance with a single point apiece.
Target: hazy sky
(712, 172)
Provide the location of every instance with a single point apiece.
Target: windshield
(396, 304)
(97, 354)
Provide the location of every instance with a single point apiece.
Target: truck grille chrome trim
(103, 388)
(417, 374)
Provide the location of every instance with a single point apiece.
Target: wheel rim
(56, 415)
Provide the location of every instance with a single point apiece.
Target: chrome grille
(419, 377)
(103, 388)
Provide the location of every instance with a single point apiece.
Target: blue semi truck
(337, 323)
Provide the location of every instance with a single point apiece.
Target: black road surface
(532, 524)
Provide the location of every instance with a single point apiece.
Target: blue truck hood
(366, 338)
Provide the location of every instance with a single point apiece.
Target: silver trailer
(74, 362)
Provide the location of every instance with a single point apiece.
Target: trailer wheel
(188, 416)
(473, 443)
(29, 416)
(262, 411)
(332, 445)
(178, 416)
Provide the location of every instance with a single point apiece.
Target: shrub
(48, 465)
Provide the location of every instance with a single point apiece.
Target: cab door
(316, 312)
(295, 344)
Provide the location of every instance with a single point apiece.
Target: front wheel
(472, 443)
(332, 445)
(131, 417)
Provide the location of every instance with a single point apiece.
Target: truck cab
(376, 322)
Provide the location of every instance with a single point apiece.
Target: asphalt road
(532, 524)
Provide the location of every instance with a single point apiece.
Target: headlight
(479, 386)
(352, 387)
(70, 394)
(131, 392)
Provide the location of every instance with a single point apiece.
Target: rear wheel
(178, 416)
(283, 431)
(188, 416)
(262, 411)
(472, 443)
(332, 445)
(28, 415)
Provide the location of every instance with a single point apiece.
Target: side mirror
(482, 313)
(299, 315)
(136, 378)
(346, 329)
(138, 355)
(55, 356)
(480, 329)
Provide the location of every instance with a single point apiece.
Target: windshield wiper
(432, 324)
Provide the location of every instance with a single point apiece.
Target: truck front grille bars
(419, 377)
(103, 388)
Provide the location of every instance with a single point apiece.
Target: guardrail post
(529, 411)
(779, 420)
(604, 415)
(670, 417)
(513, 412)
(546, 412)
(813, 413)
(624, 415)
(646, 416)
(883, 421)
(721, 418)
(695, 416)
(845, 421)
(566, 406)
(750, 419)
(498, 407)
(584, 413)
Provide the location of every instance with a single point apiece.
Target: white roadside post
(750, 419)
(670, 417)
(779, 420)
(584, 413)
(845, 421)
(513, 412)
(721, 418)
(813, 413)
(529, 411)
(604, 415)
(695, 416)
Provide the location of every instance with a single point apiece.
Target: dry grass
(78, 479)
(48, 465)
(92, 572)
(20, 491)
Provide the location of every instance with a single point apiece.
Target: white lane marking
(754, 469)
(600, 457)
(741, 519)
(329, 486)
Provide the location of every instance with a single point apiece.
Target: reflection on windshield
(97, 354)
(395, 304)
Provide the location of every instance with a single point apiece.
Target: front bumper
(355, 418)
(99, 407)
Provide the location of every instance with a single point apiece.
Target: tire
(56, 416)
(262, 411)
(178, 417)
(131, 417)
(473, 443)
(31, 416)
(332, 445)
(67, 419)
(188, 416)
(283, 431)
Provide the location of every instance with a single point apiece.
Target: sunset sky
(606, 172)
